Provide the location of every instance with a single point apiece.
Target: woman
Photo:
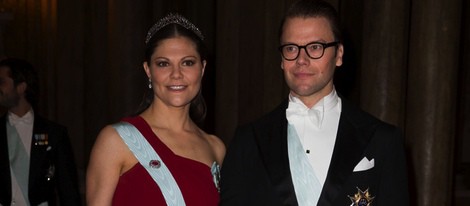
(121, 173)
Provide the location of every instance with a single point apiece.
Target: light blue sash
(150, 160)
(19, 159)
(306, 184)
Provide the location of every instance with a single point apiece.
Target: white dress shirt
(317, 128)
(24, 128)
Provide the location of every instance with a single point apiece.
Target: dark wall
(405, 62)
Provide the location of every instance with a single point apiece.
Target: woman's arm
(107, 161)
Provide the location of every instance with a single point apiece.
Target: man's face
(9, 96)
(310, 79)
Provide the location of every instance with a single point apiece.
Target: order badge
(361, 198)
(41, 139)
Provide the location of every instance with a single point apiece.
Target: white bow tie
(298, 112)
(15, 120)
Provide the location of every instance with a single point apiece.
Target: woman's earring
(150, 84)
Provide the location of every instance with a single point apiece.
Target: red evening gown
(136, 186)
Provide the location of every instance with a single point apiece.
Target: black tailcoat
(56, 156)
(256, 167)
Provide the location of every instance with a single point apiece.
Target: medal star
(361, 198)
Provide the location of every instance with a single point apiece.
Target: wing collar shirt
(317, 128)
(24, 128)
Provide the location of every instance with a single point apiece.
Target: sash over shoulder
(152, 162)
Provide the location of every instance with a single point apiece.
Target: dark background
(406, 62)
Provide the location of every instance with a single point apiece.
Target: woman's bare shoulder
(217, 145)
(110, 147)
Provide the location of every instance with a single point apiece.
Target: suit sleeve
(233, 171)
(244, 178)
(66, 171)
(393, 178)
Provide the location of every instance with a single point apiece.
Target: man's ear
(339, 55)
(21, 87)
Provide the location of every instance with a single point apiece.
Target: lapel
(38, 151)
(272, 141)
(354, 133)
(5, 176)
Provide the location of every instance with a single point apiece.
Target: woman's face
(176, 70)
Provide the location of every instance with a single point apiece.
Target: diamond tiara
(173, 18)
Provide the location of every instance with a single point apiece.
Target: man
(315, 148)
(36, 160)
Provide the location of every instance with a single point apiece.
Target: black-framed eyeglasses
(314, 50)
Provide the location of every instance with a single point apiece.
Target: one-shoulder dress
(195, 180)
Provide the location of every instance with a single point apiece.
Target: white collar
(317, 112)
(25, 119)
